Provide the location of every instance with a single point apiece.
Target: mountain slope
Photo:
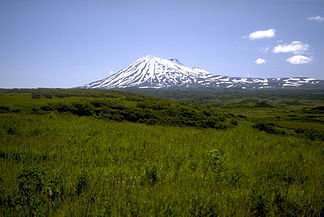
(155, 72)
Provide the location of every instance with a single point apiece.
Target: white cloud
(296, 47)
(270, 33)
(260, 61)
(299, 59)
(316, 18)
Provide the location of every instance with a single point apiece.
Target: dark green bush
(215, 161)
(36, 95)
(4, 109)
(148, 112)
(269, 128)
(312, 134)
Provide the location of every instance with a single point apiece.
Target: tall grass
(65, 165)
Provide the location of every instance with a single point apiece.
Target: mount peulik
(155, 72)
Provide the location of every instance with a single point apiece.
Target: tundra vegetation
(200, 152)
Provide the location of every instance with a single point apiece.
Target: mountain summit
(155, 72)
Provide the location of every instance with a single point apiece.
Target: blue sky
(69, 43)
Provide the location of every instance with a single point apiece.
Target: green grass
(118, 106)
(60, 164)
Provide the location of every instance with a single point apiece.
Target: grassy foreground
(62, 164)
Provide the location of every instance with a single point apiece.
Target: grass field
(92, 159)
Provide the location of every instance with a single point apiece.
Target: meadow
(116, 153)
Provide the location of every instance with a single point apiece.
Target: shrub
(4, 109)
(81, 109)
(263, 104)
(36, 95)
(268, 128)
(234, 122)
(312, 134)
(215, 161)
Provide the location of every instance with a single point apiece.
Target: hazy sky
(66, 43)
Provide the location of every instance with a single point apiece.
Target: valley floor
(62, 164)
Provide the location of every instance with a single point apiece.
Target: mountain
(155, 72)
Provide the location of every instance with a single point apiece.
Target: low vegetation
(112, 105)
(78, 153)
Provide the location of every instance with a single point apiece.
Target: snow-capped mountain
(155, 72)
